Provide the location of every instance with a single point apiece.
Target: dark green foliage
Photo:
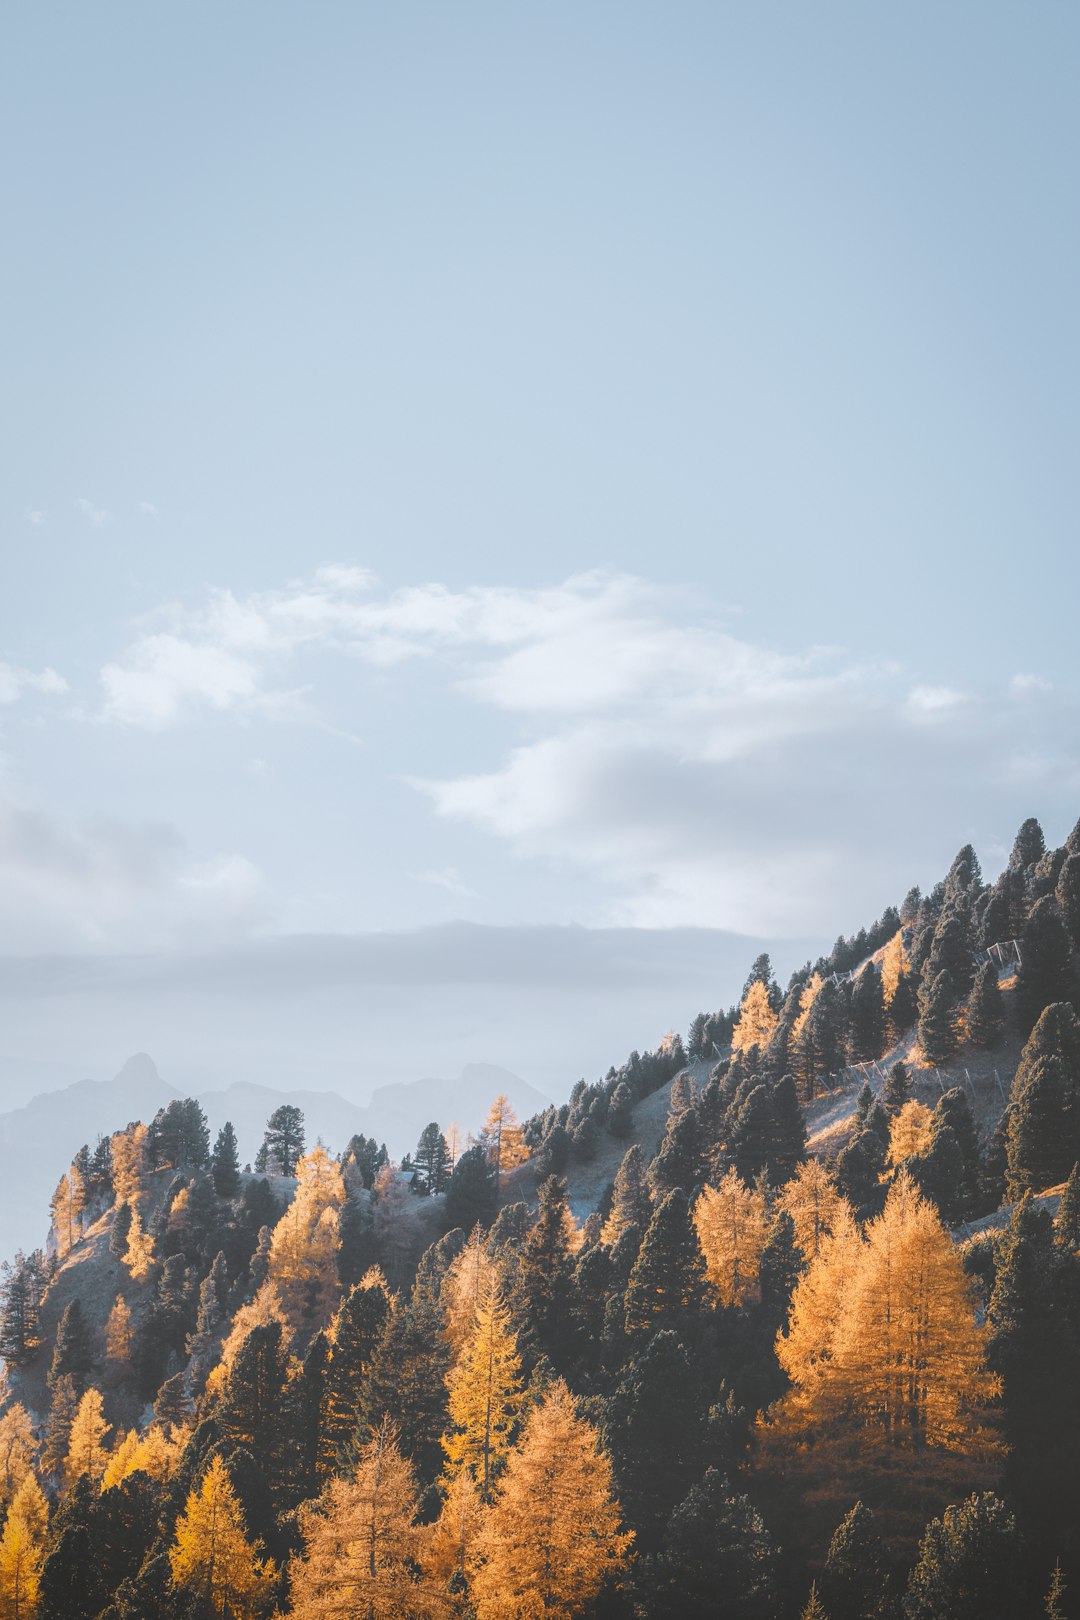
(72, 1585)
(952, 950)
(766, 1132)
(283, 1141)
(544, 1279)
(781, 1264)
(859, 1169)
(985, 1008)
(1029, 847)
(1043, 1140)
(818, 1052)
(367, 1156)
(254, 1413)
(472, 1195)
(118, 1233)
(867, 1027)
(432, 1160)
(20, 1301)
(937, 1018)
(967, 1565)
(1067, 1224)
(179, 1136)
(1045, 974)
(1067, 894)
(73, 1354)
(165, 1326)
(717, 1559)
(903, 1008)
(225, 1162)
(406, 1382)
(855, 1580)
(678, 1162)
(950, 1169)
(620, 1119)
(669, 1274)
(897, 1089)
(356, 1333)
(630, 1201)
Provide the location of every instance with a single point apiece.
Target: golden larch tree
(121, 1462)
(756, 1020)
(22, 1551)
(119, 1332)
(894, 966)
(447, 1549)
(485, 1396)
(305, 1244)
(470, 1277)
(806, 1005)
(731, 1226)
(212, 1556)
(805, 1350)
(360, 1539)
(553, 1536)
(139, 1256)
(909, 1133)
(16, 1451)
(815, 1203)
(68, 1203)
(502, 1139)
(129, 1165)
(87, 1452)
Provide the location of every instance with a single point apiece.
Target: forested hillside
(779, 1319)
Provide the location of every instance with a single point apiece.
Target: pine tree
(730, 1221)
(986, 1008)
(952, 950)
(65, 1399)
(897, 1089)
(717, 1558)
(620, 1119)
(22, 1551)
(1043, 1133)
(967, 1565)
(253, 1403)
(283, 1140)
(471, 1196)
(406, 1381)
(668, 1276)
(778, 1273)
(552, 1538)
(432, 1159)
(212, 1558)
(937, 1018)
(86, 1446)
(119, 1231)
(19, 1324)
(354, 1336)
(867, 1015)
(630, 1204)
(1067, 894)
(360, 1541)
(1067, 1223)
(225, 1162)
(856, 1573)
(485, 1396)
(1045, 974)
(72, 1353)
(815, 1609)
(545, 1274)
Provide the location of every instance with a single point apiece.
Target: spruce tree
(1067, 894)
(620, 1120)
(1029, 847)
(867, 1030)
(120, 1231)
(986, 1008)
(545, 1276)
(952, 950)
(1043, 1139)
(406, 1382)
(781, 1264)
(897, 1089)
(1045, 974)
(669, 1273)
(471, 1196)
(716, 1542)
(354, 1336)
(73, 1354)
(631, 1204)
(937, 1019)
(1067, 1223)
(856, 1573)
(225, 1163)
(967, 1565)
(432, 1159)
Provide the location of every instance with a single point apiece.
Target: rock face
(38, 1140)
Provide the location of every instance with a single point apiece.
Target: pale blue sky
(439, 442)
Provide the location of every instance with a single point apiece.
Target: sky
(505, 509)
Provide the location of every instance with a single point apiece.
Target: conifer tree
(119, 1231)
(16, 1451)
(545, 1273)
(856, 1573)
(225, 1163)
(471, 1196)
(19, 1324)
(757, 1019)
(306, 1242)
(447, 1551)
(814, 1202)
(910, 1133)
(501, 1138)
(406, 1381)
(986, 1008)
(61, 1415)
(72, 1352)
(937, 1018)
(897, 1089)
(485, 1396)
(778, 1273)
(903, 1008)
(354, 1336)
(68, 1203)
(668, 1276)
(1055, 1597)
(1043, 1132)
(283, 1141)
(620, 1119)
(1067, 895)
(716, 1551)
(87, 1443)
(730, 1221)
(432, 1159)
(252, 1407)
(360, 1541)
(867, 1015)
(1067, 1222)
(119, 1333)
(630, 1204)
(1045, 974)
(952, 950)
(22, 1551)
(552, 1538)
(212, 1557)
(967, 1565)
(139, 1255)
(815, 1609)
(469, 1276)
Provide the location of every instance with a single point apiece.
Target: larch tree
(731, 1225)
(17, 1449)
(212, 1557)
(130, 1157)
(360, 1541)
(87, 1452)
(806, 1350)
(485, 1396)
(22, 1551)
(68, 1203)
(446, 1552)
(757, 1020)
(815, 1203)
(305, 1244)
(502, 1139)
(553, 1537)
(909, 1132)
(139, 1255)
(469, 1279)
(119, 1333)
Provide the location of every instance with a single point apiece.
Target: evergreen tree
(620, 1120)
(631, 1204)
(1029, 847)
(986, 1008)
(1067, 1223)
(225, 1162)
(937, 1018)
(552, 1538)
(65, 1400)
(472, 1195)
(1055, 1597)
(669, 1274)
(253, 1406)
(897, 1089)
(856, 1574)
(1043, 1133)
(716, 1551)
(1067, 894)
(73, 1354)
(432, 1159)
(967, 1565)
(19, 1300)
(952, 950)
(545, 1275)
(867, 1015)
(406, 1382)
(354, 1336)
(283, 1140)
(1045, 974)
(119, 1231)
(903, 1007)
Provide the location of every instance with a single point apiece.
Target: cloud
(14, 682)
(148, 509)
(1029, 685)
(95, 515)
(447, 879)
(36, 516)
(112, 885)
(932, 700)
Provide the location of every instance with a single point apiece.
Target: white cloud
(36, 516)
(932, 700)
(447, 878)
(14, 682)
(116, 885)
(1028, 685)
(148, 509)
(95, 515)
